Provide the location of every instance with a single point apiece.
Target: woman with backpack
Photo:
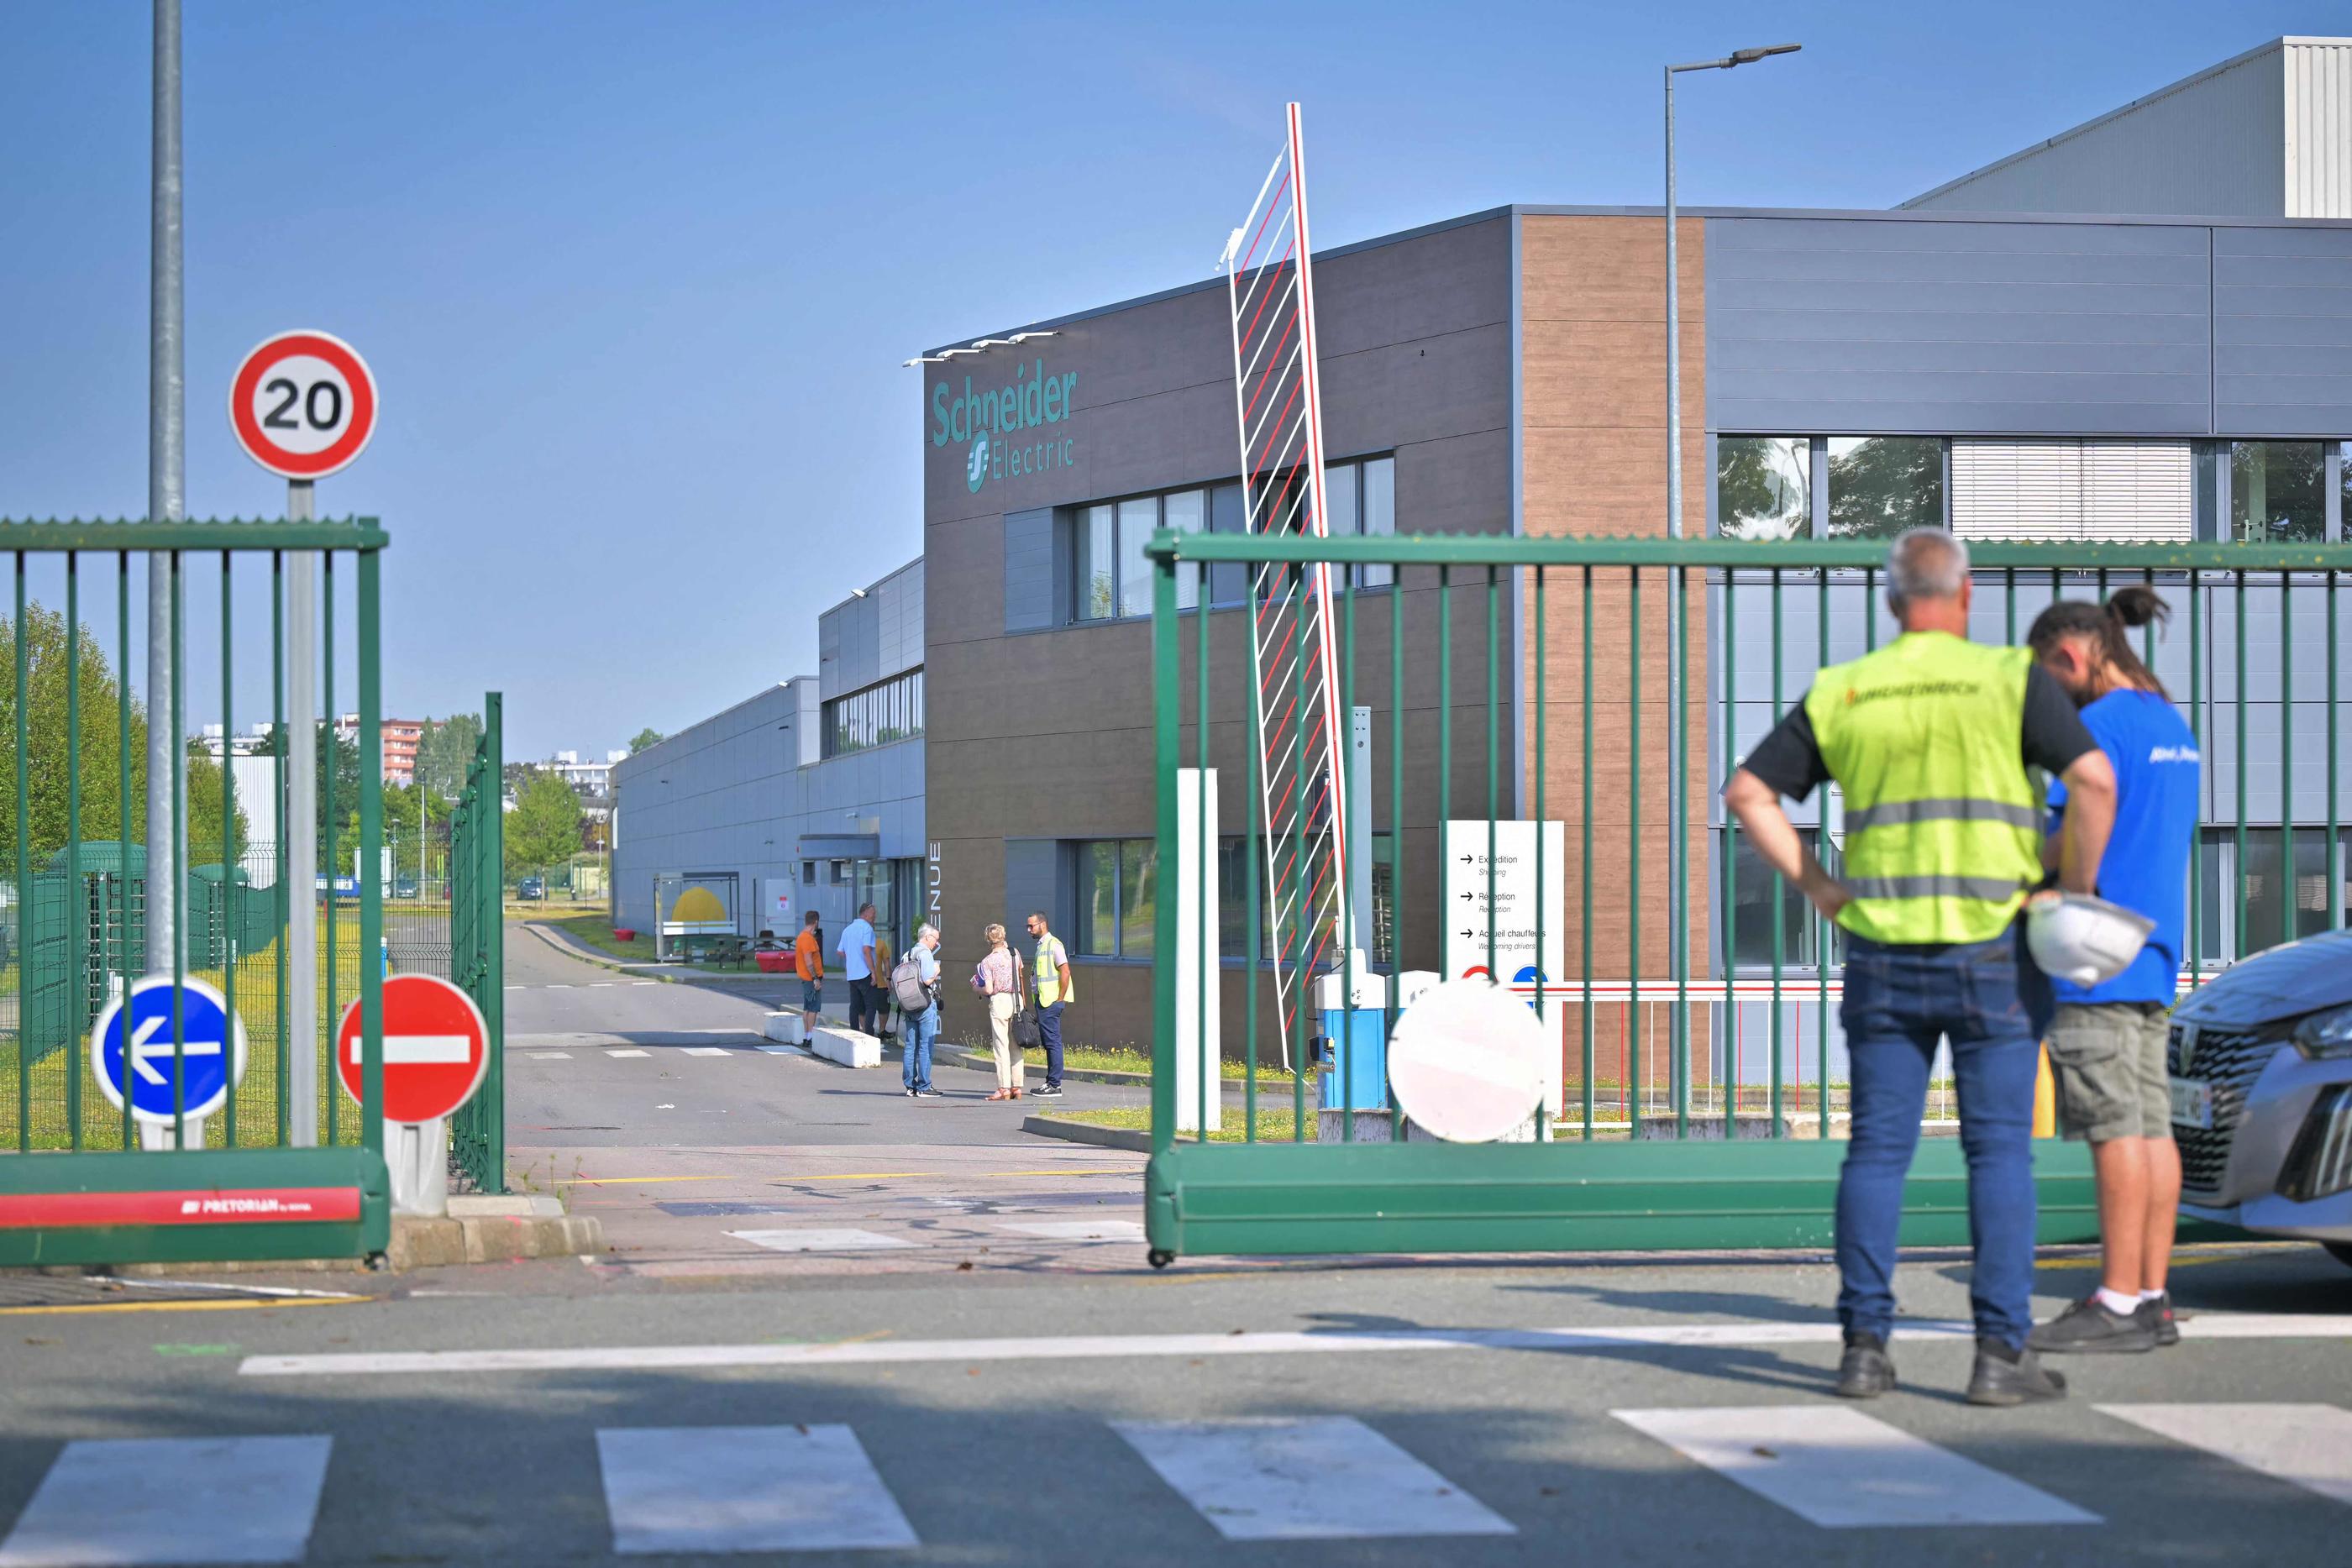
(998, 979)
(914, 987)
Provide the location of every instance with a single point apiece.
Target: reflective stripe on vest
(1943, 826)
(1960, 810)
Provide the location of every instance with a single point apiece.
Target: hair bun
(2136, 605)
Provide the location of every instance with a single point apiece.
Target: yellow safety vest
(1943, 825)
(1049, 975)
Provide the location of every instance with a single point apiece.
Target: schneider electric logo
(1009, 427)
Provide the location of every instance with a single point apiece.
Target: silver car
(2262, 1094)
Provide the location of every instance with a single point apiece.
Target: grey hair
(1924, 563)
(925, 929)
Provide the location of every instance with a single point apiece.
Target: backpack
(906, 987)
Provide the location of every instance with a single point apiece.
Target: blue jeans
(1049, 1035)
(921, 1029)
(1899, 1000)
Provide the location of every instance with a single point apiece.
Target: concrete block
(421, 1243)
(524, 1204)
(848, 1047)
(788, 1029)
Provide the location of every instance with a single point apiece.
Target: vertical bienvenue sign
(1508, 906)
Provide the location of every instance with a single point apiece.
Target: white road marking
(518, 987)
(645, 982)
(424, 1048)
(840, 1241)
(1331, 1477)
(1840, 1469)
(551, 1056)
(602, 984)
(620, 1053)
(707, 1051)
(1095, 1347)
(780, 1050)
(1076, 1229)
(745, 1488)
(2309, 1444)
(189, 1499)
(562, 986)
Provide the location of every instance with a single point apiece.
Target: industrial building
(806, 795)
(2020, 374)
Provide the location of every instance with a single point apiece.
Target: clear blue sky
(636, 280)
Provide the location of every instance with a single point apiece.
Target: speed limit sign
(303, 405)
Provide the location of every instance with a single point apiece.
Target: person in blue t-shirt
(2108, 1041)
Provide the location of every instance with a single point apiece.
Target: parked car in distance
(403, 887)
(2261, 1057)
(531, 887)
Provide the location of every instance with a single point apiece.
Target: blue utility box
(1365, 1058)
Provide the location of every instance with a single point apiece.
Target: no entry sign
(436, 1047)
(303, 405)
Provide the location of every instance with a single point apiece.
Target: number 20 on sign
(303, 405)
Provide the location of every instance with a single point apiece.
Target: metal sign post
(303, 405)
(301, 785)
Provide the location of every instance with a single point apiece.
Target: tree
(648, 737)
(446, 752)
(543, 830)
(48, 743)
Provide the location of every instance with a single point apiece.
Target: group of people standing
(1930, 740)
(913, 985)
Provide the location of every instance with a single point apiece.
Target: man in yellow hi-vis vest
(1053, 992)
(1928, 739)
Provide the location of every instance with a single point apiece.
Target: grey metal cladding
(2283, 331)
(1029, 569)
(1855, 327)
(1030, 872)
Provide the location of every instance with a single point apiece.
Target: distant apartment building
(586, 778)
(401, 737)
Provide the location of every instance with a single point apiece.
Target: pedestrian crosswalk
(810, 1487)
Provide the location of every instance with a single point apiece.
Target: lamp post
(1677, 765)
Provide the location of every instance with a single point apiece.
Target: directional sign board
(1512, 915)
(303, 405)
(436, 1047)
(210, 1051)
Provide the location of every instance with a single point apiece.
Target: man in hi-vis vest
(1928, 739)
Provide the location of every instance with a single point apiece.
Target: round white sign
(1467, 1061)
(303, 405)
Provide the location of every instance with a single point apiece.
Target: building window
(1763, 486)
(1114, 575)
(2278, 492)
(1755, 911)
(1233, 905)
(2118, 491)
(808, 873)
(840, 872)
(887, 711)
(1882, 484)
(2221, 883)
(1118, 898)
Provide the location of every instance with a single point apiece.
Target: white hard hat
(2082, 939)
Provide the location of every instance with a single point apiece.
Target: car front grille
(2230, 1059)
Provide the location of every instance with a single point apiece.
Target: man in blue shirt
(2108, 1041)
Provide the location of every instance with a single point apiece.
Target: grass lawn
(596, 931)
(1274, 1124)
(1118, 1059)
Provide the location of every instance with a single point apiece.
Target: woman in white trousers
(998, 979)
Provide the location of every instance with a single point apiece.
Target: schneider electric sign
(1009, 430)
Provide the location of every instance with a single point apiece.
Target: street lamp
(1673, 300)
(1677, 765)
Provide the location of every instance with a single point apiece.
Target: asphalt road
(1003, 1387)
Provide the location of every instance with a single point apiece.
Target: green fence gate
(477, 1132)
(1700, 1100)
(263, 1181)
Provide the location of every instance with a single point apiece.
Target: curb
(490, 1239)
(984, 1062)
(1130, 1138)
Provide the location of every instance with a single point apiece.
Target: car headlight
(2327, 1034)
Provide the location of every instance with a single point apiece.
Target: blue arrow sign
(210, 1050)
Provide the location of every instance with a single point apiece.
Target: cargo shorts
(2107, 1062)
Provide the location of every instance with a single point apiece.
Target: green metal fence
(1700, 1097)
(80, 1189)
(477, 1132)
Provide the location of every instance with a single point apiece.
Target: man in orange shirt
(808, 962)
